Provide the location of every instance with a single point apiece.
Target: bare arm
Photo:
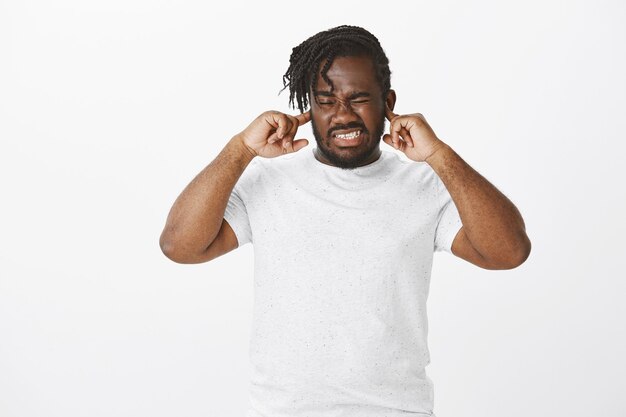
(493, 235)
(492, 225)
(195, 230)
(197, 214)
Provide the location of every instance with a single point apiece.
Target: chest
(375, 223)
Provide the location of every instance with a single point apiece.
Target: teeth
(349, 135)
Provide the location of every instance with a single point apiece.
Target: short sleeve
(448, 221)
(236, 215)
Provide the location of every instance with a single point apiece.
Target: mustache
(354, 125)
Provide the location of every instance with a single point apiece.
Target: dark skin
(493, 234)
(356, 102)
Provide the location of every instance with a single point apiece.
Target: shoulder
(261, 170)
(282, 160)
(413, 171)
(284, 163)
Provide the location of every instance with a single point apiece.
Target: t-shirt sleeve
(236, 215)
(448, 221)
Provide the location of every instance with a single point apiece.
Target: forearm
(196, 216)
(491, 222)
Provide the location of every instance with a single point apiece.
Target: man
(343, 235)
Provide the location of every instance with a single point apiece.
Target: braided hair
(341, 41)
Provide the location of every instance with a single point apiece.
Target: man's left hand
(412, 135)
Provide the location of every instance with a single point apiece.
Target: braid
(340, 41)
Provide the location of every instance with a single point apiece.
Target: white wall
(108, 109)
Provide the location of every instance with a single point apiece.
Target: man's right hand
(272, 134)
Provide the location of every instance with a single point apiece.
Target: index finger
(303, 118)
(388, 113)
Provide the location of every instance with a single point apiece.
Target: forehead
(349, 74)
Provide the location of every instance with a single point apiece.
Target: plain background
(108, 110)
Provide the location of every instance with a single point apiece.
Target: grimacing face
(356, 104)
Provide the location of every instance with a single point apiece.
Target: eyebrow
(350, 97)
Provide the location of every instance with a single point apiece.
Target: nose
(343, 113)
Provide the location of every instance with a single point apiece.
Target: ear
(390, 100)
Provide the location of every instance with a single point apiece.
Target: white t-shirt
(342, 263)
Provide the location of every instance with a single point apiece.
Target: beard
(352, 157)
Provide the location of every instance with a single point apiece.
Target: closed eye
(354, 101)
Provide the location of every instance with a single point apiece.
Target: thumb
(389, 141)
(299, 144)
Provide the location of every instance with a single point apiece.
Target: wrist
(244, 150)
(439, 152)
